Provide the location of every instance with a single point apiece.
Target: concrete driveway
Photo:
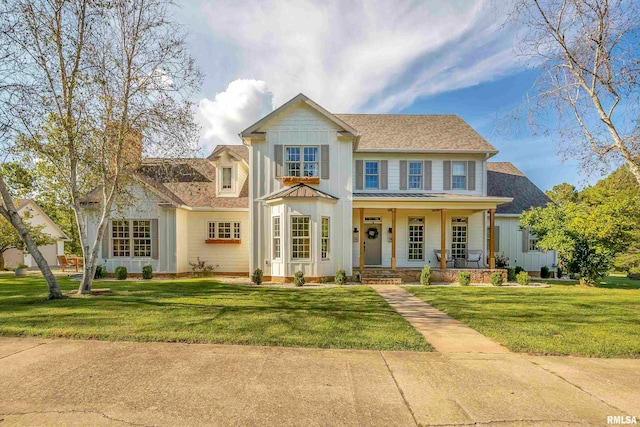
(66, 382)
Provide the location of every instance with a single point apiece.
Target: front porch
(400, 241)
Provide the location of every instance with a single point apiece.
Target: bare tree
(114, 80)
(589, 86)
(10, 87)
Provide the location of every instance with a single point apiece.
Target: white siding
(226, 257)
(437, 174)
(512, 246)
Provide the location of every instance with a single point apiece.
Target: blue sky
(428, 57)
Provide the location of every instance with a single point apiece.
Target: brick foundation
(450, 275)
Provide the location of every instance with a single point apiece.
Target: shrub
(511, 274)
(519, 269)
(147, 272)
(523, 278)
(341, 277)
(544, 272)
(22, 266)
(559, 272)
(256, 277)
(464, 278)
(502, 261)
(298, 278)
(496, 278)
(101, 272)
(201, 268)
(425, 276)
(120, 273)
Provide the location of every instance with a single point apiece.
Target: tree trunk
(10, 213)
(1, 260)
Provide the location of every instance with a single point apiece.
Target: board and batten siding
(225, 257)
(143, 204)
(299, 125)
(394, 172)
(512, 245)
(475, 240)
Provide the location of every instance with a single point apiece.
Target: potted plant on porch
(21, 270)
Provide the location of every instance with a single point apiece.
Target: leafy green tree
(563, 193)
(587, 237)
(9, 238)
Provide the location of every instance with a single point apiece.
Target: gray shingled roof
(505, 180)
(238, 150)
(299, 191)
(409, 132)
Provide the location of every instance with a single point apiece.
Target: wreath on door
(372, 233)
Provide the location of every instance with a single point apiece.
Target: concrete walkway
(65, 382)
(444, 332)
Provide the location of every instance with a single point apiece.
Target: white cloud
(242, 103)
(361, 56)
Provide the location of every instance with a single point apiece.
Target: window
(324, 238)
(415, 176)
(121, 243)
(533, 242)
(224, 230)
(131, 238)
(459, 175)
(142, 238)
(371, 176)
(302, 161)
(459, 238)
(416, 239)
(276, 237)
(226, 178)
(300, 237)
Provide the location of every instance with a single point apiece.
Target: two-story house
(316, 192)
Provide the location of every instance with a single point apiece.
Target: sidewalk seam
(24, 349)
(404, 399)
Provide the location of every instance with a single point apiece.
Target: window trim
(377, 175)
(301, 162)
(421, 175)
(466, 235)
(275, 238)
(235, 232)
(466, 175)
(293, 238)
(325, 254)
(130, 239)
(424, 231)
(533, 238)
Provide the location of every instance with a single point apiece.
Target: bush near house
(511, 274)
(101, 272)
(544, 272)
(256, 277)
(147, 272)
(464, 278)
(518, 270)
(502, 261)
(120, 273)
(298, 278)
(496, 278)
(425, 276)
(523, 278)
(340, 278)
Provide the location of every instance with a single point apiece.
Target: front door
(373, 244)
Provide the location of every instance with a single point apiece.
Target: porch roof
(299, 191)
(428, 200)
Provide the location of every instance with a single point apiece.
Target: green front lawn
(202, 311)
(561, 320)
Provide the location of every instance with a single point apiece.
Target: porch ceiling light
(355, 230)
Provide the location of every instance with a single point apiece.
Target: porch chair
(79, 261)
(448, 257)
(66, 262)
(474, 255)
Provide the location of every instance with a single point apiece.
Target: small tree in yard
(100, 84)
(9, 238)
(425, 275)
(256, 277)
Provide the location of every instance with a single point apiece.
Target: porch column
(443, 239)
(492, 238)
(393, 238)
(361, 239)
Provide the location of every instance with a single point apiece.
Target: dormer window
(226, 178)
(302, 161)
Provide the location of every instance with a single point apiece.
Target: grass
(203, 311)
(560, 320)
(613, 281)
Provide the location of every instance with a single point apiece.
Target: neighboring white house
(37, 217)
(316, 192)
